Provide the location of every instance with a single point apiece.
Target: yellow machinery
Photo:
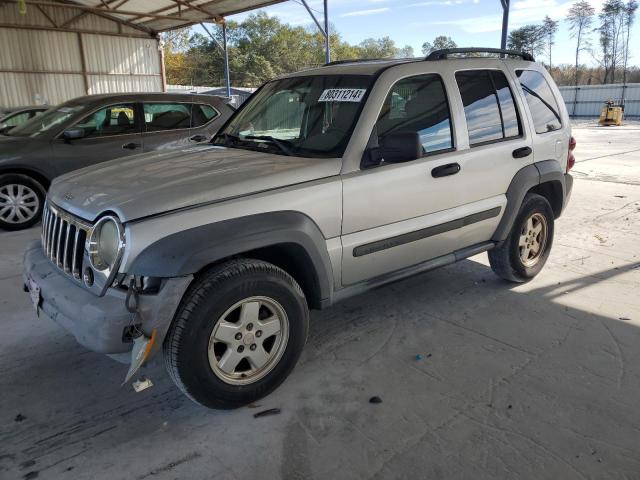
(611, 114)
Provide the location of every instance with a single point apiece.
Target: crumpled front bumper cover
(98, 323)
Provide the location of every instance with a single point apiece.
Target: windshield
(48, 120)
(311, 116)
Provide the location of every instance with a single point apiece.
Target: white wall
(62, 55)
(588, 100)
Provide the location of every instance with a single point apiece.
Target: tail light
(571, 160)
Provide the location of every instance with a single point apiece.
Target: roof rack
(444, 53)
(360, 60)
(354, 60)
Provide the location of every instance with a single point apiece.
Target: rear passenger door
(550, 140)
(498, 141)
(167, 125)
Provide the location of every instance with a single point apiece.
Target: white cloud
(522, 12)
(361, 13)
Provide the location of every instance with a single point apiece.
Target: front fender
(189, 251)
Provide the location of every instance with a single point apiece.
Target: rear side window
(542, 103)
(202, 114)
(418, 104)
(159, 117)
(488, 106)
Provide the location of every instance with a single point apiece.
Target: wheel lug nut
(253, 347)
(238, 336)
(240, 349)
(250, 327)
(259, 333)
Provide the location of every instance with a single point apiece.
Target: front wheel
(525, 251)
(21, 201)
(237, 334)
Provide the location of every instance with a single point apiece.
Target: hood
(156, 182)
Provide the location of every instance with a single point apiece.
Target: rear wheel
(525, 251)
(21, 201)
(237, 335)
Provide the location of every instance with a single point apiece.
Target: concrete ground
(535, 381)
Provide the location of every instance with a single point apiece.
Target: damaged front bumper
(102, 323)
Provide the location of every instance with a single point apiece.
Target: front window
(41, 124)
(108, 121)
(418, 104)
(311, 116)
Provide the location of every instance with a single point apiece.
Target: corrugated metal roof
(150, 15)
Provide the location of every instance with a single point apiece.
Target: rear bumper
(568, 187)
(98, 323)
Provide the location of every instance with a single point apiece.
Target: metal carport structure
(58, 49)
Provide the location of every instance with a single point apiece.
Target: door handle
(198, 138)
(131, 146)
(522, 152)
(445, 170)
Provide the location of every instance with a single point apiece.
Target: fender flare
(524, 180)
(188, 252)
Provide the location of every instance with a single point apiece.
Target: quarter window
(111, 120)
(542, 103)
(488, 106)
(17, 119)
(418, 104)
(160, 117)
(202, 114)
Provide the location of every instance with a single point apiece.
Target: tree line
(262, 48)
(612, 27)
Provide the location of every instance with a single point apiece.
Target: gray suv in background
(92, 129)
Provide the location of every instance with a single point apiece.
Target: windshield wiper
(226, 137)
(281, 144)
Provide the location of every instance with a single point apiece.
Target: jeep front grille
(63, 239)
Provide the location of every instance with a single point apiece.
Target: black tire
(505, 259)
(33, 185)
(185, 348)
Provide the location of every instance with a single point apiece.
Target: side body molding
(187, 252)
(523, 181)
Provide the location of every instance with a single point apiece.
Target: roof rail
(355, 60)
(444, 53)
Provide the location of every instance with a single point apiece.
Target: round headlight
(105, 243)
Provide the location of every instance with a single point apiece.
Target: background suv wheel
(237, 334)
(525, 251)
(21, 201)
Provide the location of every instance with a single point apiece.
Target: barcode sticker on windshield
(342, 95)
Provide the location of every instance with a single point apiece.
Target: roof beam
(46, 15)
(72, 19)
(97, 10)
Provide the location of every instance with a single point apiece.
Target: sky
(412, 22)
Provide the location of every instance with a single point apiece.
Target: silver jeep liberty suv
(324, 184)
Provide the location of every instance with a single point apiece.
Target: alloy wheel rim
(248, 340)
(18, 203)
(533, 239)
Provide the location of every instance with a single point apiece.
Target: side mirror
(73, 134)
(4, 127)
(394, 148)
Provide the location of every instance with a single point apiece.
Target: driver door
(110, 132)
